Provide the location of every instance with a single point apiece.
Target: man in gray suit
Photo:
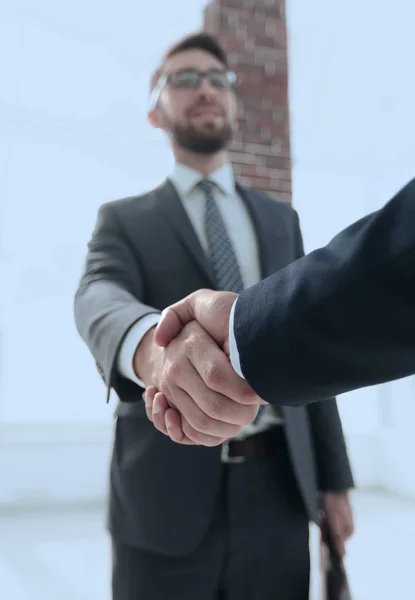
(228, 521)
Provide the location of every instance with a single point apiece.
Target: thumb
(168, 327)
(173, 319)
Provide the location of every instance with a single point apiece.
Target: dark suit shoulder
(273, 211)
(279, 207)
(141, 202)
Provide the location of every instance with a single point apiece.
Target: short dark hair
(200, 41)
(196, 41)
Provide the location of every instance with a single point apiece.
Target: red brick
(278, 162)
(246, 159)
(253, 33)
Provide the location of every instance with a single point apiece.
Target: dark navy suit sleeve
(338, 319)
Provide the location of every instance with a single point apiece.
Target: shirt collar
(185, 179)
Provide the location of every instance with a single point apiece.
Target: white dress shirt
(233, 347)
(237, 220)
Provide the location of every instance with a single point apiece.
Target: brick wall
(254, 35)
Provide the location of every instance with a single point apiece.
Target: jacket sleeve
(338, 319)
(108, 299)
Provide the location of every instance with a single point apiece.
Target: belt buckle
(230, 459)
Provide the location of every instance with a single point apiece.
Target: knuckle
(191, 343)
(171, 373)
(173, 370)
(213, 376)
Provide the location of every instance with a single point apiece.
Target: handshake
(193, 394)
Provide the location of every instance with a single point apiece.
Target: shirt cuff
(233, 348)
(125, 360)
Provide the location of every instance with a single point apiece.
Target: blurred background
(73, 134)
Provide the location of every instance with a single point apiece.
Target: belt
(260, 445)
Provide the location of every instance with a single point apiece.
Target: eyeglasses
(190, 79)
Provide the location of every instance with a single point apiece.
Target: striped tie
(222, 255)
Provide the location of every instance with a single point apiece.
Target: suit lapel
(270, 233)
(173, 211)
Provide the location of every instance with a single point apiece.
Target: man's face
(201, 118)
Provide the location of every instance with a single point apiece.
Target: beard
(206, 140)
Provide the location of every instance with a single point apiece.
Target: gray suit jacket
(143, 256)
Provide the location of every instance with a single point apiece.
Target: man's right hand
(193, 372)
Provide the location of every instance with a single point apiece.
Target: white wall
(352, 96)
